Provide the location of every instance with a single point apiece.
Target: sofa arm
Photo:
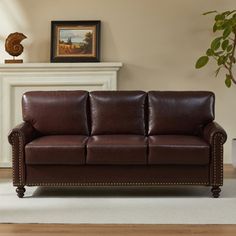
(212, 130)
(24, 131)
(215, 135)
(18, 138)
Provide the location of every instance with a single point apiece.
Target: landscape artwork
(75, 41)
(78, 41)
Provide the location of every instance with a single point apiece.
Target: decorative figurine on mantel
(13, 46)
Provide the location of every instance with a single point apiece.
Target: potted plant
(222, 50)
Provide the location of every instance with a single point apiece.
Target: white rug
(165, 205)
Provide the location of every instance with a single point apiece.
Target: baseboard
(5, 165)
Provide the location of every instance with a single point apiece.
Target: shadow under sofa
(117, 138)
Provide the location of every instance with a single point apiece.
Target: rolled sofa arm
(18, 138)
(216, 136)
(212, 130)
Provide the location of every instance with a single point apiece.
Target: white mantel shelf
(94, 66)
(15, 79)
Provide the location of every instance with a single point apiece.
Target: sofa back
(56, 112)
(117, 112)
(179, 112)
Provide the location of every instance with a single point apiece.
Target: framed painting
(75, 41)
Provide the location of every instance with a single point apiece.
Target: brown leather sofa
(117, 138)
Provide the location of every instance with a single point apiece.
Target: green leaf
(225, 59)
(215, 27)
(228, 81)
(226, 24)
(229, 48)
(217, 71)
(216, 44)
(225, 44)
(233, 22)
(202, 61)
(220, 23)
(227, 32)
(219, 17)
(209, 12)
(220, 60)
(209, 52)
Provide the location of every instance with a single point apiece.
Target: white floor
(164, 205)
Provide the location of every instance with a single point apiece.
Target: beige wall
(157, 40)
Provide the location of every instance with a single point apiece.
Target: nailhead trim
(13, 160)
(20, 159)
(214, 161)
(115, 184)
(14, 157)
(221, 161)
(215, 183)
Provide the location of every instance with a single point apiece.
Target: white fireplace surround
(15, 79)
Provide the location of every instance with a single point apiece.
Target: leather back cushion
(117, 112)
(179, 112)
(56, 112)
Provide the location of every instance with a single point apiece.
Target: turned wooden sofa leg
(20, 192)
(215, 191)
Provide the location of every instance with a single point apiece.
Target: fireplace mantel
(101, 66)
(15, 79)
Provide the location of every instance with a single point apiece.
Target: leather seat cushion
(117, 150)
(56, 150)
(178, 150)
